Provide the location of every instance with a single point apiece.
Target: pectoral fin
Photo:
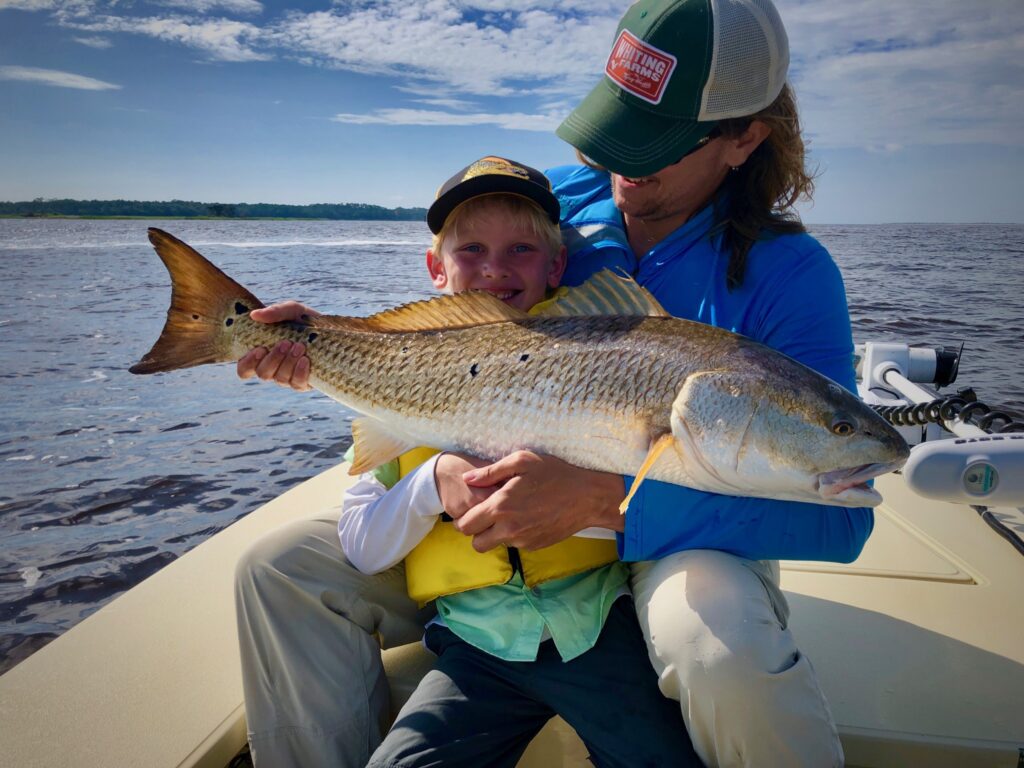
(657, 448)
(374, 445)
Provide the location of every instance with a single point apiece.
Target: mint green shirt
(510, 620)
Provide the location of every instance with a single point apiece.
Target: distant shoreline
(180, 218)
(189, 209)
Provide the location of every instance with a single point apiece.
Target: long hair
(756, 200)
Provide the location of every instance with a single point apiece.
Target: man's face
(491, 254)
(676, 191)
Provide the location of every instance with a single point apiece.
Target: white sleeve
(595, 533)
(379, 527)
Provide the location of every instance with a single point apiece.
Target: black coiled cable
(966, 406)
(963, 405)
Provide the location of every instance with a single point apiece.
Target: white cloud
(205, 6)
(221, 39)
(461, 104)
(94, 42)
(29, 5)
(444, 42)
(54, 77)
(513, 121)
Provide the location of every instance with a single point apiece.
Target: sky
(914, 108)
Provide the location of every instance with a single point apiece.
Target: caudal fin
(204, 305)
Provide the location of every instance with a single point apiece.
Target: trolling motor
(983, 465)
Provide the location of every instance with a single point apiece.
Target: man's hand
(535, 501)
(286, 363)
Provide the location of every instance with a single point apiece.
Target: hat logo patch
(494, 165)
(639, 68)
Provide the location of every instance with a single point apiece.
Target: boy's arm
(379, 527)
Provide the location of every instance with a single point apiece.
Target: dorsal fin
(604, 294)
(459, 311)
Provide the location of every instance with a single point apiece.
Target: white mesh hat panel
(749, 61)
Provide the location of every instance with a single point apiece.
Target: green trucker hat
(492, 176)
(676, 68)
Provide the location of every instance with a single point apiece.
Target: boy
(520, 636)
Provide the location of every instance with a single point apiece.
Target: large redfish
(604, 379)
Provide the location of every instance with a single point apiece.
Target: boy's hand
(541, 501)
(457, 497)
(286, 363)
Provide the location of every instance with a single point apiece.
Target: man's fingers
(476, 519)
(488, 540)
(267, 367)
(300, 378)
(283, 374)
(285, 364)
(246, 367)
(503, 469)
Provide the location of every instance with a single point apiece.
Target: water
(106, 477)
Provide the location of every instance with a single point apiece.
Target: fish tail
(204, 304)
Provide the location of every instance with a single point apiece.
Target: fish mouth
(850, 485)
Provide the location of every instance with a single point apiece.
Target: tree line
(190, 209)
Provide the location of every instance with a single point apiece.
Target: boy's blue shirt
(792, 299)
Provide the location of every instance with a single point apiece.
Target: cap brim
(491, 184)
(598, 125)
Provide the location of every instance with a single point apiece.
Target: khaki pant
(311, 629)
(716, 635)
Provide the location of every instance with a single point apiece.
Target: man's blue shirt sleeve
(665, 518)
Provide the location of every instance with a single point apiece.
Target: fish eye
(842, 428)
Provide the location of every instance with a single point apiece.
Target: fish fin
(605, 293)
(457, 311)
(657, 448)
(202, 299)
(373, 445)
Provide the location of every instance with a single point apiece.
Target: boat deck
(917, 645)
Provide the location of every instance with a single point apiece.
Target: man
(700, 134)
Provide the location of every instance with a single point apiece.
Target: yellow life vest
(445, 563)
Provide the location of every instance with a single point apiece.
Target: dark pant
(474, 709)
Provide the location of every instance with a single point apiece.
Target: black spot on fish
(312, 337)
(474, 369)
(523, 358)
(240, 308)
(195, 317)
(229, 321)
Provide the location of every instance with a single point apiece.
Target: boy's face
(491, 254)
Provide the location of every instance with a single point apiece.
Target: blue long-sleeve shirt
(792, 299)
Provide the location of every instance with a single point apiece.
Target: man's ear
(740, 148)
(557, 269)
(435, 266)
